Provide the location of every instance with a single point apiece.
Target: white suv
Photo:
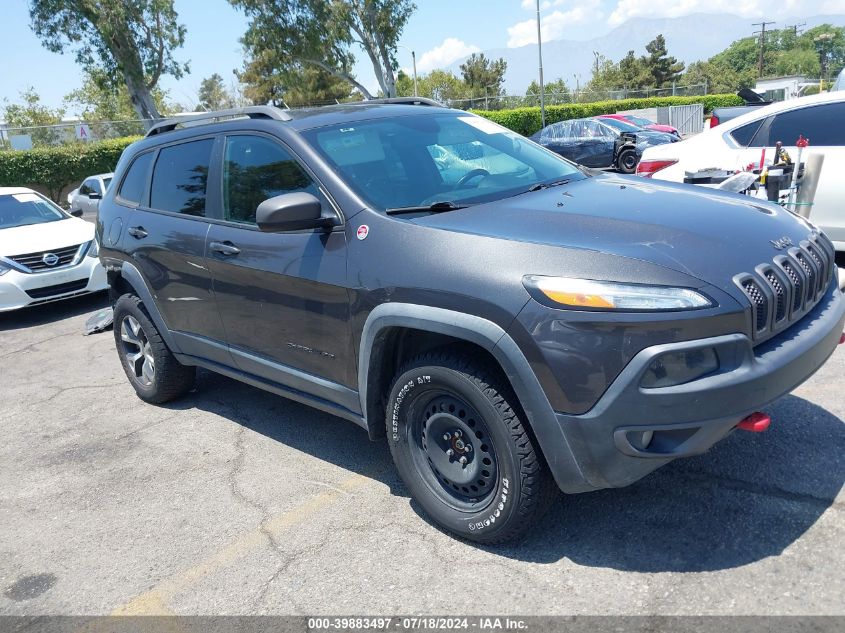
(740, 142)
(45, 253)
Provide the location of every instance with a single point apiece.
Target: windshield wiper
(546, 185)
(436, 207)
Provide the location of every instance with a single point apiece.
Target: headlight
(93, 249)
(587, 294)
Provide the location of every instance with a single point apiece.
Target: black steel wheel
(462, 449)
(627, 161)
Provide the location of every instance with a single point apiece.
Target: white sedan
(87, 196)
(740, 142)
(45, 253)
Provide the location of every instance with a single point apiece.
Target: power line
(796, 27)
(762, 33)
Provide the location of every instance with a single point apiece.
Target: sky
(440, 32)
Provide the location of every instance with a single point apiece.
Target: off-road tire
(511, 493)
(170, 378)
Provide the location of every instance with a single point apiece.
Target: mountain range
(689, 38)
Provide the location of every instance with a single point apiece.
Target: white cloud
(627, 9)
(552, 25)
(449, 51)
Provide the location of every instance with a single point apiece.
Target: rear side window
(255, 169)
(180, 178)
(745, 134)
(822, 125)
(132, 189)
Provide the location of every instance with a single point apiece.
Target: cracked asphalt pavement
(236, 501)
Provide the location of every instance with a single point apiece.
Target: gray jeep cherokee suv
(510, 322)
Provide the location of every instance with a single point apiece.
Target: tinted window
(180, 178)
(622, 126)
(255, 169)
(106, 182)
(132, 189)
(86, 187)
(744, 135)
(823, 125)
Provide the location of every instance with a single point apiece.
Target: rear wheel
(627, 161)
(153, 371)
(462, 449)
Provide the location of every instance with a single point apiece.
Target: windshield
(638, 120)
(416, 161)
(622, 126)
(20, 209)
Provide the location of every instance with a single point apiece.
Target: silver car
(87, 196)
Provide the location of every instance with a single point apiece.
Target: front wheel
(463, 451)
(627, 161)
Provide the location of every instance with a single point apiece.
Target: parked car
(839, 84)
(753, 101)
(87, 196)
(642, 122)
(507, 331)
(46, 254)
(740, 142)
(600, 143)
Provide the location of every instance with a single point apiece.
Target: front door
(281, 296)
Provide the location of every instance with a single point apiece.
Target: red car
(641, 122)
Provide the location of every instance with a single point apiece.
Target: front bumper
(687, 419)
(19, 290)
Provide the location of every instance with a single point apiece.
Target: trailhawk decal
(362, 232)
(400, 397)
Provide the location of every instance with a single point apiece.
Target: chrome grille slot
(35, 261)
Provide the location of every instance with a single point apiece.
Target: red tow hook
(842, 338)
(756, 423)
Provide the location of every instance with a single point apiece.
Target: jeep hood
(701, 232)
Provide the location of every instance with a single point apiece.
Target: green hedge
(54, 168)
(527, 120)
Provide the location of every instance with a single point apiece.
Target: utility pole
(540, 55)
(762, 33)
(795, 28)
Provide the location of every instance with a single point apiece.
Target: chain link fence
(68, 133)
(505, 102)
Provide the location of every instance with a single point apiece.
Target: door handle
(225, 248)
(137, 232)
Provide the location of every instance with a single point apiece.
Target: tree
(321, 33)
(263, 82)
(440, 85)
(484, 77)
(31, 113)
(213, 95)
(554, 92)
(663, 68)
(132, 42)
(96, 100)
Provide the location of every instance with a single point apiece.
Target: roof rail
(251, 112)
(404, 101)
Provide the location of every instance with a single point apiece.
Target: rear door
(281, 296)
(166, 238)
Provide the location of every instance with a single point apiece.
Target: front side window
(135, 182)
(85, 189)
(180, 178)
(417, 160)
(256, 168)
(21, 209)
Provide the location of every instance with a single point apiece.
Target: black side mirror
(293, 212)
(95, 196)
(77, 213)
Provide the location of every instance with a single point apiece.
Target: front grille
(58, 289)
(35, 261)
(784, 290)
